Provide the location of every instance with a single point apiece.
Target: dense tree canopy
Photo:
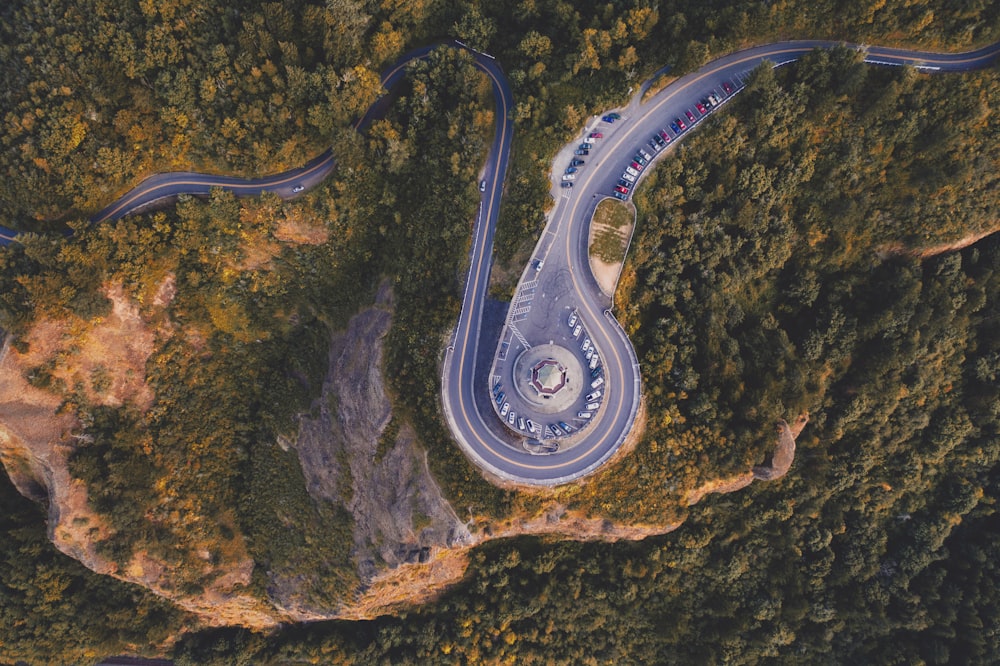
(770, 274)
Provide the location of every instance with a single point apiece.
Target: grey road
(546, 298)
(564, 285)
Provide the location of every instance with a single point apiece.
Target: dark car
(659, 141)
(623, 190)
(663, 133)
(572, 170)
(623, 197)
(614, 116)
(584, 146)
(577, 163)
(728, 88)
(623, 183)
(675, 127)
(608, 119)
(567, 184)
(654, 145)
(581, 151)
(640, 159)
(689, 115)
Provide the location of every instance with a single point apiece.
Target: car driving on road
(298, 188)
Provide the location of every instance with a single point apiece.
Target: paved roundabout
(541, 366)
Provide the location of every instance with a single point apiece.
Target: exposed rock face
(107, 358)
(781, 462)
(408, 543)
(354, 454)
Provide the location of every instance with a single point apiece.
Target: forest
(786, 232)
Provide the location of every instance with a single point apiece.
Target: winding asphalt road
(563, 244)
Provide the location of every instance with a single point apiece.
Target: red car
(689, 115)
(636, 166)
(623, 190)
(596, 135)
(701, 108)
(680, 123)
(728, 88)
(663, 133)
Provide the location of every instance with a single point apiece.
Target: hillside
(234, 403)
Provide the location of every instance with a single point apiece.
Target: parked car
(614, 116)
(569, 176)
(565, 184)
(594, 405)
(664, 135)
(629, 177)
(597, 382)
(619, 195)
(586, 344)
(566, 427)
(505, 409)
(608, 119)
(630, 171)
(701, 108)
(572, 170)
(583, 415)
(572, 320)
(576, 331)
(520, 423)
(577, 163)
(675, 127)
(511, 415)
(596, 135)
(594, 396)
(584, 146)
(623, 182)
(581, 151)
(623, 190)
(645, 154)
(640, 159)
(298, 188)
(690, 116)
(636, 166)
(728, 88)
(680, 123)
(482, 186)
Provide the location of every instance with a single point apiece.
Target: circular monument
(549, 378)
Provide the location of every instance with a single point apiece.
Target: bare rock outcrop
(354, 453)
(780, 463)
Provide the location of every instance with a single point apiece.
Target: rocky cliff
(408, 543)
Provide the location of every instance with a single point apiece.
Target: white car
(576, 331)
(584, 415)
(629, 177)
(572, 320)
(594, 405)
(593, 396)
(597, 382)
(298, 188)
(511, 415)
(630, 171)
(569, 176)
(589, 353)
(594, 360)
(504, 409)
(586, 344)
